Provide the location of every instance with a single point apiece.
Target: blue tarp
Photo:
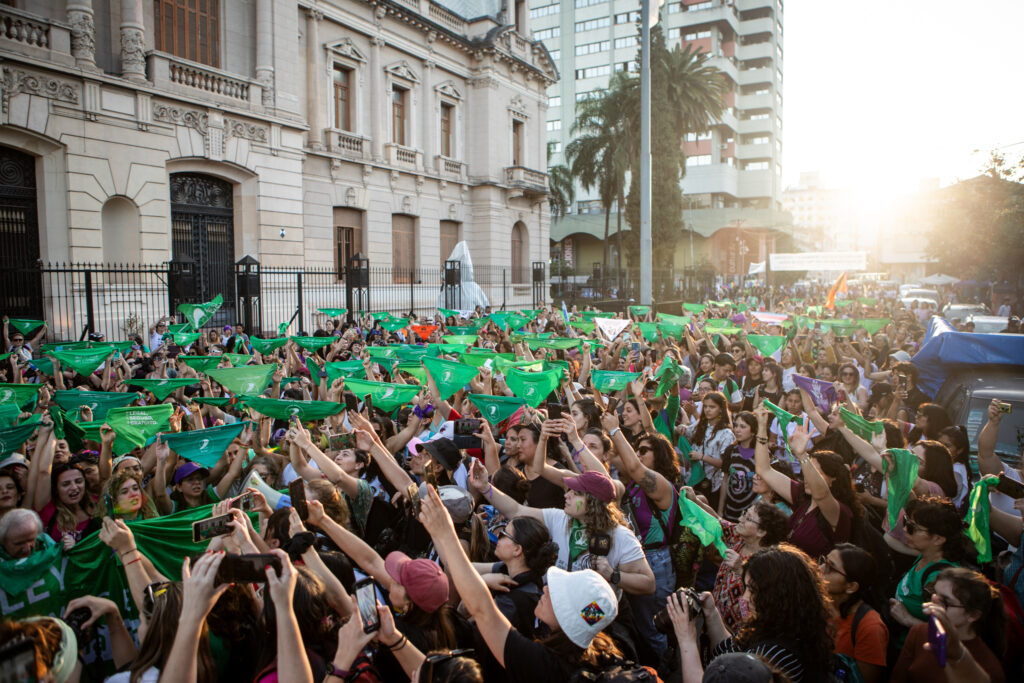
(945, 348)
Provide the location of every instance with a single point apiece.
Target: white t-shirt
(787, 378)
(625, 546)
(812, 431)
(150, 675)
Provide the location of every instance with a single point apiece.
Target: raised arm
(365, 557)
(988, 461)
(367, 439)
(650, 482)
(813, 479)
(778, 481)
(509, 508)
(819, 422)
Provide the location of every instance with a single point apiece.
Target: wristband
(399, 644)
(614, 432)
(137, 559)
(336, 672)
(490, 492)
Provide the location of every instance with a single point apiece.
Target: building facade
(737, 162)
(296, 132)
(824, 219)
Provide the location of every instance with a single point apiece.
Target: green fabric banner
(386, 396)
(447, 348)
(218, 401)
(460, 339)
(555, 343)
(496, 409)
(313, 343)
(865, 429)
(978, 511)
(100, 402)
(334, 312)
(449, 375)
(379, 352)
(509, 319)
(162, 388)
(414, 368)
(503, 365)
(133, 425)
(344, 368)
(248, 380)
(19, 394)
(412, 352)
(477, 360)
(204, 446)
(449, 313)
(612, 380)
(198, 315)
(83, 361)
(680, 320)
(12, 438)
(639, 311)
(237, 359)
(534, 387)
(695, 308)
(9, 414)
(282, 409)
(766, 344)
(267, 345)
(201, 364)
(582, 326)
(702, 524)
(873, 325)
(900, 480)
(183, 339)
(25, 325)
(394, 324)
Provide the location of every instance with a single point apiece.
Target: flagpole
(645, 153)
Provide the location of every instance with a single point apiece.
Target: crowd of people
(719, 493)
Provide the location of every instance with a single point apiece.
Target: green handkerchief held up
(283, 409)
(162, 388)
(386, 396)
(496, 409)
(198, 315)
(449, 375)
(534, 387)
(134, 425)
(83, 361)
(248, 380)
(19, 394)
(204, 446)
(268, 345)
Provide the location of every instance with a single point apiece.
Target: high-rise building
(734, 169)
(824, 219)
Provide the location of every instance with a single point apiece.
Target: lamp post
(645, 152)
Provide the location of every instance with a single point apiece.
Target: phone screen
(368, 404)
(341, 442)
(297, 491)
(351, 403)
(205, 529)
(554, 411)
(244, 502)
(366, 600)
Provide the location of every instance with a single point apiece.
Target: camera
(600, 544)
(663, 622)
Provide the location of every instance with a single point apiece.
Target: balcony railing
(531, 182)
(347, 144)
(27, 33)
(205, 82)
(449, 19)
(450, 166)
(399, 155)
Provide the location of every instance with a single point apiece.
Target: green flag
(25, 325)
(865, 429)
(873, 325)
(248, 380)
(183, 339)
(383, 315)
(9, 414)
(477, 360)
(201, 364)
(695, 308)
(65, 428)
(381, 352)
(162, 388)
(503, 365)
(12, 438)
(702, 524)
(449, 375)
(766, 344)
(283, 409)
(314, 343)
(386, 396)
(346, 369)
(394, 324)
(64, 346)
(534, 387)
(100, 402)
(649, 331)
(639, 311)
(447, 348)
(133, 425)
(680, 320)
(414, 368)
(783, 417)
(334, 312)
(198, 315)
(238, 358)
(509, 319)
(668, 375)
(179, 327)
(612, 380)
(204, 446)
(218, 401)
(461, 329)
(460, 339)
(496, 409)
(411, 352)
(19, 394)
(978, 511)
(556, 343)
(583, 326)
(83, 361)
(268, 345)
(900, 480)
(21, 574)
(532, 313)
(697, 474)
(449, 313)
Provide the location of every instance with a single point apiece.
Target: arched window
(519, 251)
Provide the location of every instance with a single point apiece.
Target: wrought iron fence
(121, 300)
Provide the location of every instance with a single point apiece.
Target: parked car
(966, 395)
(921, 294)
(963, 311)
(986, 324)
(909, 286)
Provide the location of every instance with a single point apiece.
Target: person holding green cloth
(16, 343)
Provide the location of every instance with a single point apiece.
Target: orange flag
(423, 331)
(839, 286)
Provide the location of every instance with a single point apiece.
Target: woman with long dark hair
(850, 572)
(771, 386)
(955, 439)
(930, 420)
(586, 414)
(709, 436)
(738, 468)
(752, 380)
(789, 622)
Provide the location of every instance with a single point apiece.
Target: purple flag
(822, 393)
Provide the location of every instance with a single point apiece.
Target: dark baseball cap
(444, 451)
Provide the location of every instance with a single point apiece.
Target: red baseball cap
(422, 579)
(598, 485)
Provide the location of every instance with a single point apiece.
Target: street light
(648, 18)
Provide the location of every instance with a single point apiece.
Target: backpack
(844, 667)
(616, 671)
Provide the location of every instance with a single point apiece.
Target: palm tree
(563, 190)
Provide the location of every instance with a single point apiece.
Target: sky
(880, 94)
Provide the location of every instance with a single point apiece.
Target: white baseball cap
(583, 602)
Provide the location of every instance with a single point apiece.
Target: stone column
(265, 49)
(133, 38)
(83, 33)
(377, 99)
(314, 84)
(430, 127)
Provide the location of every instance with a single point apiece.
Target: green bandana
(449, 313)
(865, 429)
(179, 327)
(668, 375)
(201, 364)
(460, 339)
(9, 414)
(784, 419)
(25, 325)
(558, 344)
(344, 368)
(649, 331)
(248, 380)
(694, 308)
(412, 352)
(334, 312)
(19, 394)
(135, 424)
(12, 438)
(20, 574)
(639, 311)
(204, 446)
(267, 345)
(766, 344)
(218, 401)
(162, 388)
(978, 510)
(504, 365)
(534, 387)
(509, 319)
(477, 360)
(579, 542)
(873, 325)
(612, 380)
(83, 361)
(183, 339)
(394, 324)
(198, 315)
(697, 474)
(438, 349)
(414, 368)
(237, 359)
(900, 480)
(585, 327)
(449, 375)
(314, 369)
(496, 409)
(379, 352)
(702, 524)
(283, 409)
(386, 396)
(679, 320)
(100, 402)
(314, 343)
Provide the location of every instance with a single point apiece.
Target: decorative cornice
(16, 82)
(245, 130)
(190, 118)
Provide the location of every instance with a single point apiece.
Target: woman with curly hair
(66, 509)
(125, 498)
(789, 624)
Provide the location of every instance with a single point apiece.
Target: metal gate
(20, 295)
(202, 230)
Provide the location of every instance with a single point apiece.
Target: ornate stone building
(297, 132)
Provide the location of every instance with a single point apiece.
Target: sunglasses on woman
(438, 658)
